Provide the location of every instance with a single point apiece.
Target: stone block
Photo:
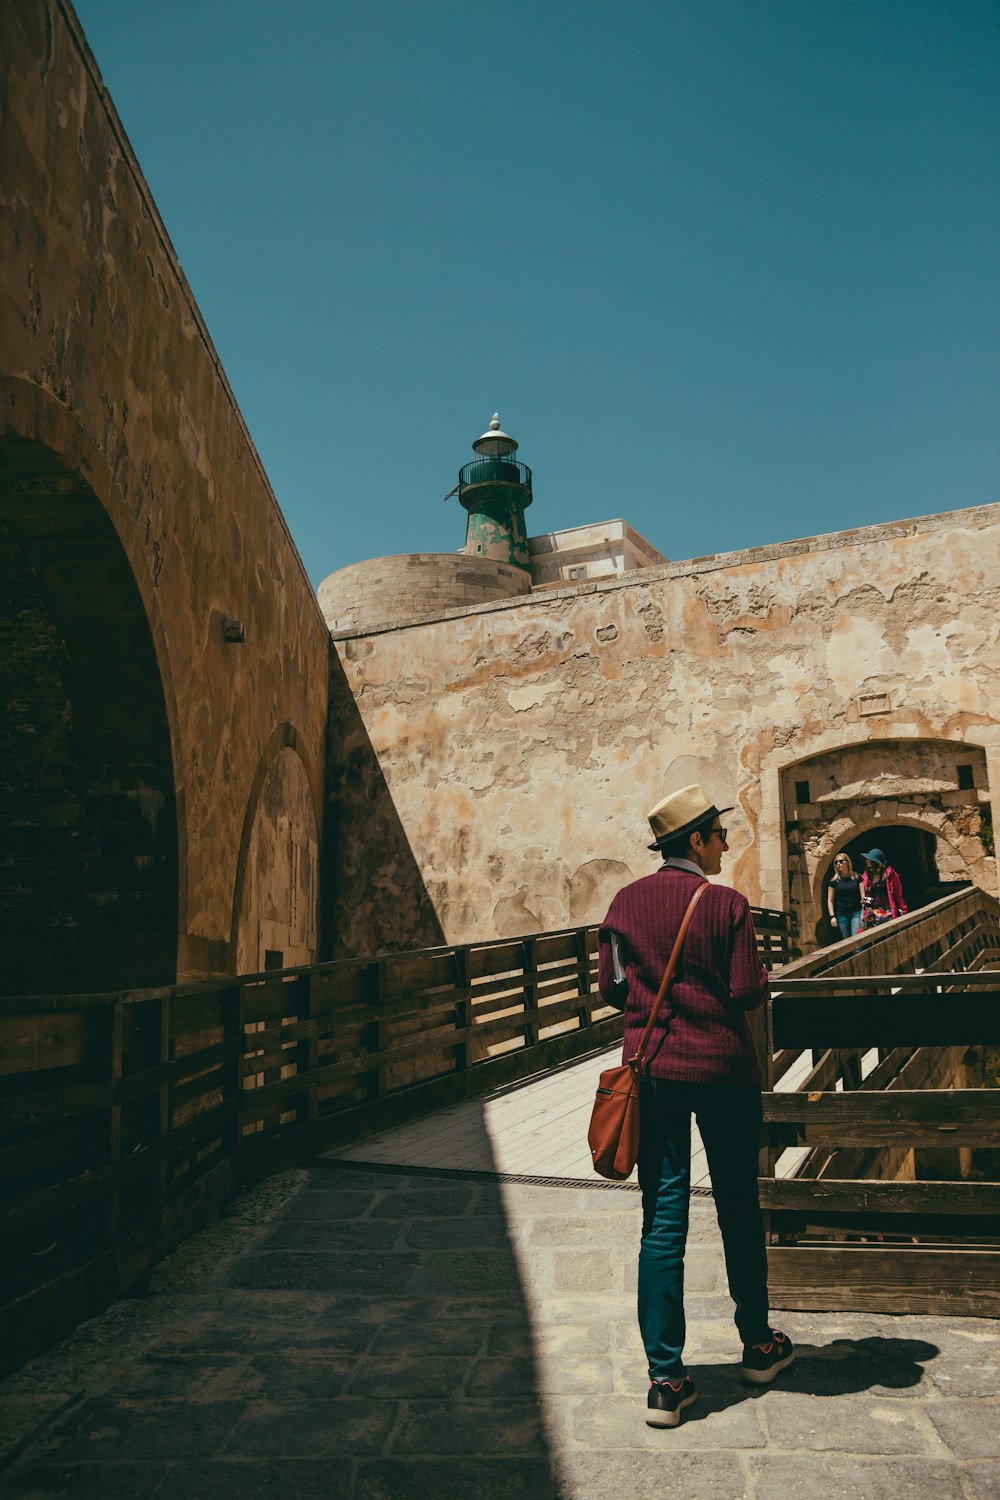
(440, 1334)
(195, 1377)
(971, 1429)
(850, 1424)
(233, 1479)
(668, 1474)
(432, 1202)
(403, 1374)
(333, 1204)
(311, 1429)
(508, 1427)
(366, 1274)
(570, 1231)
(469, 1233)
(584, 1270)
(23, 1416)
(105, 1428)
(319, 1235)
(983, 1480)
(511, 1375)
(802, 1475)
(303, 1375)
(472, 1271)
(616, 1422)
(493, 1478)
(570, 1341)
(85, 1481)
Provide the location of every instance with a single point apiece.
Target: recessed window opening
(966, 780)
(578, 572)
(802, 792)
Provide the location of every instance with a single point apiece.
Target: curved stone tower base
(391, 590)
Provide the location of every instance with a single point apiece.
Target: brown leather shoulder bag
(613, 1136)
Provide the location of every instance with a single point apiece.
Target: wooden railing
(127, 1120)
(891, 1201)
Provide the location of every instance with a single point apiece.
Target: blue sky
(727, 268)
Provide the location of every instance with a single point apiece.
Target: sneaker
(761, 1362)
(667, 1399)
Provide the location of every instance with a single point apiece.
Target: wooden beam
(840, 1195)
(885, 1279)
(903, 1020)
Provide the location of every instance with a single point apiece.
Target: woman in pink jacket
(881, 890)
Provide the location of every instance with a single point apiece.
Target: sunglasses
(722, 832)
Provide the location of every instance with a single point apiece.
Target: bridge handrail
(909, 936)
(130, 1118)
(872, 1081)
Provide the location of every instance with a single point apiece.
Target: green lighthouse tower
(496, 490)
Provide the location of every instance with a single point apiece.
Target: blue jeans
(729, 1119)
(849, 926)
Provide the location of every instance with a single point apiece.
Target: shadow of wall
(375, 899)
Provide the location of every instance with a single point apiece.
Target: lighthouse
(496, 491)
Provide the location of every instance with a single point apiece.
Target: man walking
(701, 1060)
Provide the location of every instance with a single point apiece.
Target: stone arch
(937, 828)
(276, 894)
(832, 798)
(90, 877)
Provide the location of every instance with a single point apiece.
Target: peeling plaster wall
(522, 743)
(106, 365)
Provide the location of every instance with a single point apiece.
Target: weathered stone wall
(406, 587)
(109, 383)
(522, 743)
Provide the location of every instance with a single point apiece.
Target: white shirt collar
(673, 863)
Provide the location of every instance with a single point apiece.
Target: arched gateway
(925, 802)
(89, 863)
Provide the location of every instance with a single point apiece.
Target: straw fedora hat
(682, 812)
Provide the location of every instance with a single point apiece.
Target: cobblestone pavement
(386, 1335)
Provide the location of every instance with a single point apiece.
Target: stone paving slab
(380, 1335)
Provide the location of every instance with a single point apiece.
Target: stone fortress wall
(393, 590)
(169, 792)
(506, 755)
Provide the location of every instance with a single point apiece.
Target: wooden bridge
(129, 1119)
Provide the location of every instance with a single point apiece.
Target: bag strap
(635, 1063)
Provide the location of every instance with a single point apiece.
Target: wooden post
(583, 988)
(464, 1051)
(232, 1068)
(850, 1069)
(767, 1155)
(164, 1054)
(376, 1031)
(115, 1124)
(530, 991)
(309, 1050)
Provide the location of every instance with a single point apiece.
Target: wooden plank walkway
(536, 1128)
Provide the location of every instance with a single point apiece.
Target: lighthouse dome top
(495, 443)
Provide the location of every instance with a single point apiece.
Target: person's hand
(834, 921)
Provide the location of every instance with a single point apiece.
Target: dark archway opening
(88, 824)
(912, 852)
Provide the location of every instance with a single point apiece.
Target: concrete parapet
(389, 590)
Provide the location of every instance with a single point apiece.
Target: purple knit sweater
(702, 1035)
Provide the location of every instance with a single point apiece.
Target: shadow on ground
(367, 1337)
(842, 1367)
